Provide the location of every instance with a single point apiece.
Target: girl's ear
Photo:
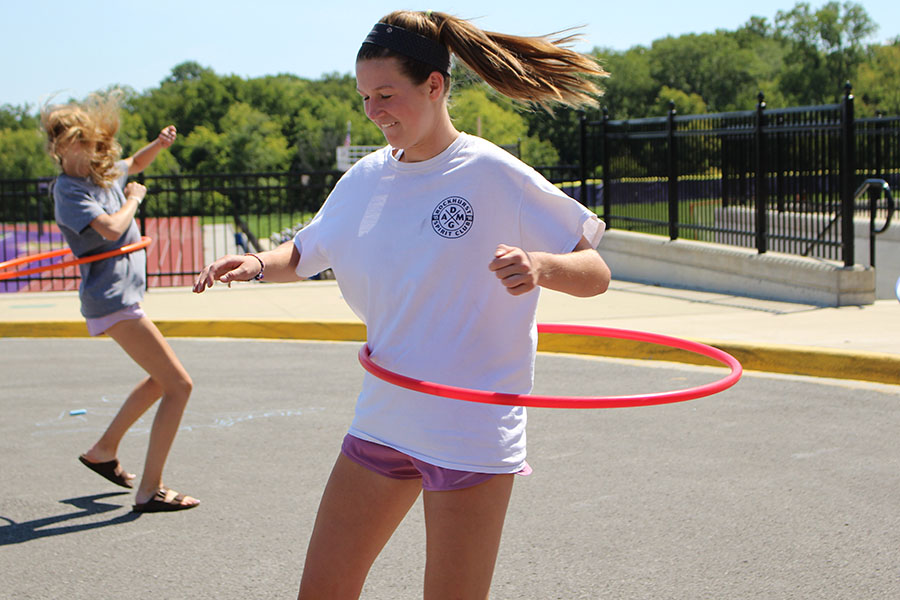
(436, 85)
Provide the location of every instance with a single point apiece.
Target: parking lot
(780, 487)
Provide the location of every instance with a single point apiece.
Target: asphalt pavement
(779, 487)
(782, 486)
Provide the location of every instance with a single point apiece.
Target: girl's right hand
(167, 136)
(135, 190)
(227, 269)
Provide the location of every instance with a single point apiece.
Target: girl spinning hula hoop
(440, 242)
(127, 248)
(95, 211)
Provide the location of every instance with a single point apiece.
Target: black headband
(410, 44)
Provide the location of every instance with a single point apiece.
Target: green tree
(561, 130)
(767, 52)
(201, 151)
(879, 80)
(228, 123)
(22, 155)
(479, 111)
(685, 104)
(187, 71)
(132, 134)
(539, 153)
(825, 48)
(18, 117)
(252, 141)
(630, 90)
(320, 126)
(712, 66)
(473, 112)
(187, 100)
(277, 96)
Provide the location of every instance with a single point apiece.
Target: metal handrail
(873, 208)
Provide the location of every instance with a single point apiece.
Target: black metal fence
(191, 219)
(781, 180)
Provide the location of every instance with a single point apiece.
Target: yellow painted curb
(794, 360)
(815, 362)
(270, 330)
(44, 329)
(619, 348)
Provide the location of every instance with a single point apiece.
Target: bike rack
(872, 185)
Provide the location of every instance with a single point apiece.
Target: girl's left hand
(515, 269)
(135, 190)
(167, 136)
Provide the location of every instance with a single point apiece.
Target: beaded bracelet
(262, 265)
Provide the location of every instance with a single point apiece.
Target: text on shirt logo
(453, 217)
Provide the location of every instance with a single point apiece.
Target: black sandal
(158, 503)
(110, 470)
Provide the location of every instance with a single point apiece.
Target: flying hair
(92, 123)
(540, 70)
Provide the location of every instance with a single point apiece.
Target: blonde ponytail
(537, 70)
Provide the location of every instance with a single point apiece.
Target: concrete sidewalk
(855, 342)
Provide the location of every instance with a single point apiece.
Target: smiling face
(413, 117)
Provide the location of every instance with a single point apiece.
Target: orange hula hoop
(126, 249)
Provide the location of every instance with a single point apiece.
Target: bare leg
(463, 529)
(144, 395)
(358, 513)
(141, 339)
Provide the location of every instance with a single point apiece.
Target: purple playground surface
(16, 242)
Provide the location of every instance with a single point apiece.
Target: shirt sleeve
(551, 221)
(76, 208)
(122, 166)
(309, 243)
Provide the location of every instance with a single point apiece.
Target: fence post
(762, 196)
(582, 168)
(142, 210)
(847, 175)
(40, 214)
(672, 173)
(879, 132)
(604, 149)
(779, 167)
(141, 215)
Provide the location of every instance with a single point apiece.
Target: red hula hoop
(472, 395)
(127, 248)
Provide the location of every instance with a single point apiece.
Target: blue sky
(71, 48)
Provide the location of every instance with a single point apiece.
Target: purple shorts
(100, 324)
(386, 461)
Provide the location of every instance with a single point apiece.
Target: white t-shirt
(410, 244)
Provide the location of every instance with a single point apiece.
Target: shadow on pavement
(17, 533)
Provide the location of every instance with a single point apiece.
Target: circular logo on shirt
(452, 217)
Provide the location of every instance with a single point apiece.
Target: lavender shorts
(396, 465)
(100, 324)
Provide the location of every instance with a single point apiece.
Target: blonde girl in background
(440, 242)
(95, 211)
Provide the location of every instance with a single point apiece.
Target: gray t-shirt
(113, 283)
